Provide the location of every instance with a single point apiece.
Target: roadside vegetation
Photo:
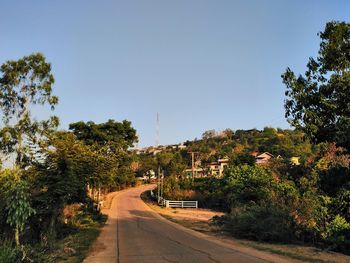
(303, 202)
(52, 181)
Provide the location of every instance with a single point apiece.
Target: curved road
(135, 233)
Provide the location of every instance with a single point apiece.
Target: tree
(118, 135)
(147, 163)
(61, 179)
(229, 133)
(25, 82)
(319, 102)
(112, 140)
(18, 206)
(209, 134)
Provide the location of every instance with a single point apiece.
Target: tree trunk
(17, 235)
(52, 226)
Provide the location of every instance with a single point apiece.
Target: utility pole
(158, 185)
(193, 165)
(158, 172)
(162, 185)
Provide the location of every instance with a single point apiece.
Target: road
(135, 233)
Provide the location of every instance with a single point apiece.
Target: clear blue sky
(201, 64)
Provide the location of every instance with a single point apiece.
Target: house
(198, 172)
(178, 146)
(295, 160)
(217, 168)
(181, 147)
(150, 175)
(254, 153)
(263, 158)
(212, 169)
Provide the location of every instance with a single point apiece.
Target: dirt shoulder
(201, 220)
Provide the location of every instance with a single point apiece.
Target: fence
(178, 204)
(182, 204)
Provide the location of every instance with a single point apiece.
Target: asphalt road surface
(135, 233)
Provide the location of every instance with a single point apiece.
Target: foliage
(146, 163)
(338, 233)
(53, 169)
(209, 134)
(8, 254)
(306, 200)
(260, 222)
(60, 179)
(109, 143)
(18, 206)
(117, 135)
(25, 82)
(171, 188)
(211, 191)
(253, 184)
(318, 102)
(341, 203)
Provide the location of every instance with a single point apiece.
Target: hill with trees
(282, 200)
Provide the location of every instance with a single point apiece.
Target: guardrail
(181, 204)
(178, 204)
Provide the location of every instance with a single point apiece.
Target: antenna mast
(159, 178)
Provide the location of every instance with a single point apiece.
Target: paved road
(135, 233)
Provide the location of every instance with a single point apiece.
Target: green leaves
(116, 136)
(18, 207)
(18, 204)
(27, 80)
(319, 102)
(249, 184)
(24, 82)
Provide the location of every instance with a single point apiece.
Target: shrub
(246, 183)
(260, 222)
(9, 254)
(338, 231)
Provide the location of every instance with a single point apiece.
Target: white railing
(178, 204)
(181, 204)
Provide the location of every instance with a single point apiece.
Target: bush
(209, 193)
(171, 188)
(260, 222)
(244, 184)
(9, 254)
(338, 231)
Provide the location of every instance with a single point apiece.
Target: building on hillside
(254, 153)
(198, 172)
(294, 160)
(178, 146)
(149, 176)
(217, 168)
(263, 158)
(212, 169)
(181, 147)
(153, 150)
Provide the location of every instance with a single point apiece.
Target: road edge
(239, 248)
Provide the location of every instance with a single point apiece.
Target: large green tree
(119, 136)
(318, 102)
(24, 83)
(61, 179)
(111, 140)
